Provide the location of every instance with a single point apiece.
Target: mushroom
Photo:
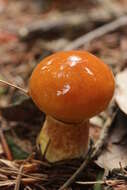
(70, 87)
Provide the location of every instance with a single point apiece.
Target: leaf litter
(20, 52)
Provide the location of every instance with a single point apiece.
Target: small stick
(93, 154)
(18, 179)
(78, 171)
(90, 182)
(15, 86)
(107, 182)
(5, 146)
(103, 137)
(122, 21)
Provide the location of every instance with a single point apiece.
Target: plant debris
(29, 31)
(121, 90)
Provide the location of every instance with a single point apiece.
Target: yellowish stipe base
(59, 141)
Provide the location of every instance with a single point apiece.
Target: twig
(122, 21)
(78, 171)
(11, 171)
(103, 137)
(18, 179)
(57, 23)
(14, 86)
(90, 182)
(106, 182)
(91, 155)
(5, 146)
(25, 181)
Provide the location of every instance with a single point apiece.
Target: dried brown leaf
(115, 153)
(121, 90)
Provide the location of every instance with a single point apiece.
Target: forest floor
(31, 30)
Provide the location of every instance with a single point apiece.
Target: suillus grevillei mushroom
(70, 87)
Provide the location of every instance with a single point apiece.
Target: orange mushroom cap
(71, 86)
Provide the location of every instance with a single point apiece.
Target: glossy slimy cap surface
(71, 86)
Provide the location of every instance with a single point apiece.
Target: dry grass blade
(7, 183)
(3, 177)
(8, 163)
(24, 172)
(15, 86)
(34, 176)
(18, 180)
(107, 182)
(25, 181)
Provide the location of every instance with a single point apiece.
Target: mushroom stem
(63, 141)
(15, 86)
